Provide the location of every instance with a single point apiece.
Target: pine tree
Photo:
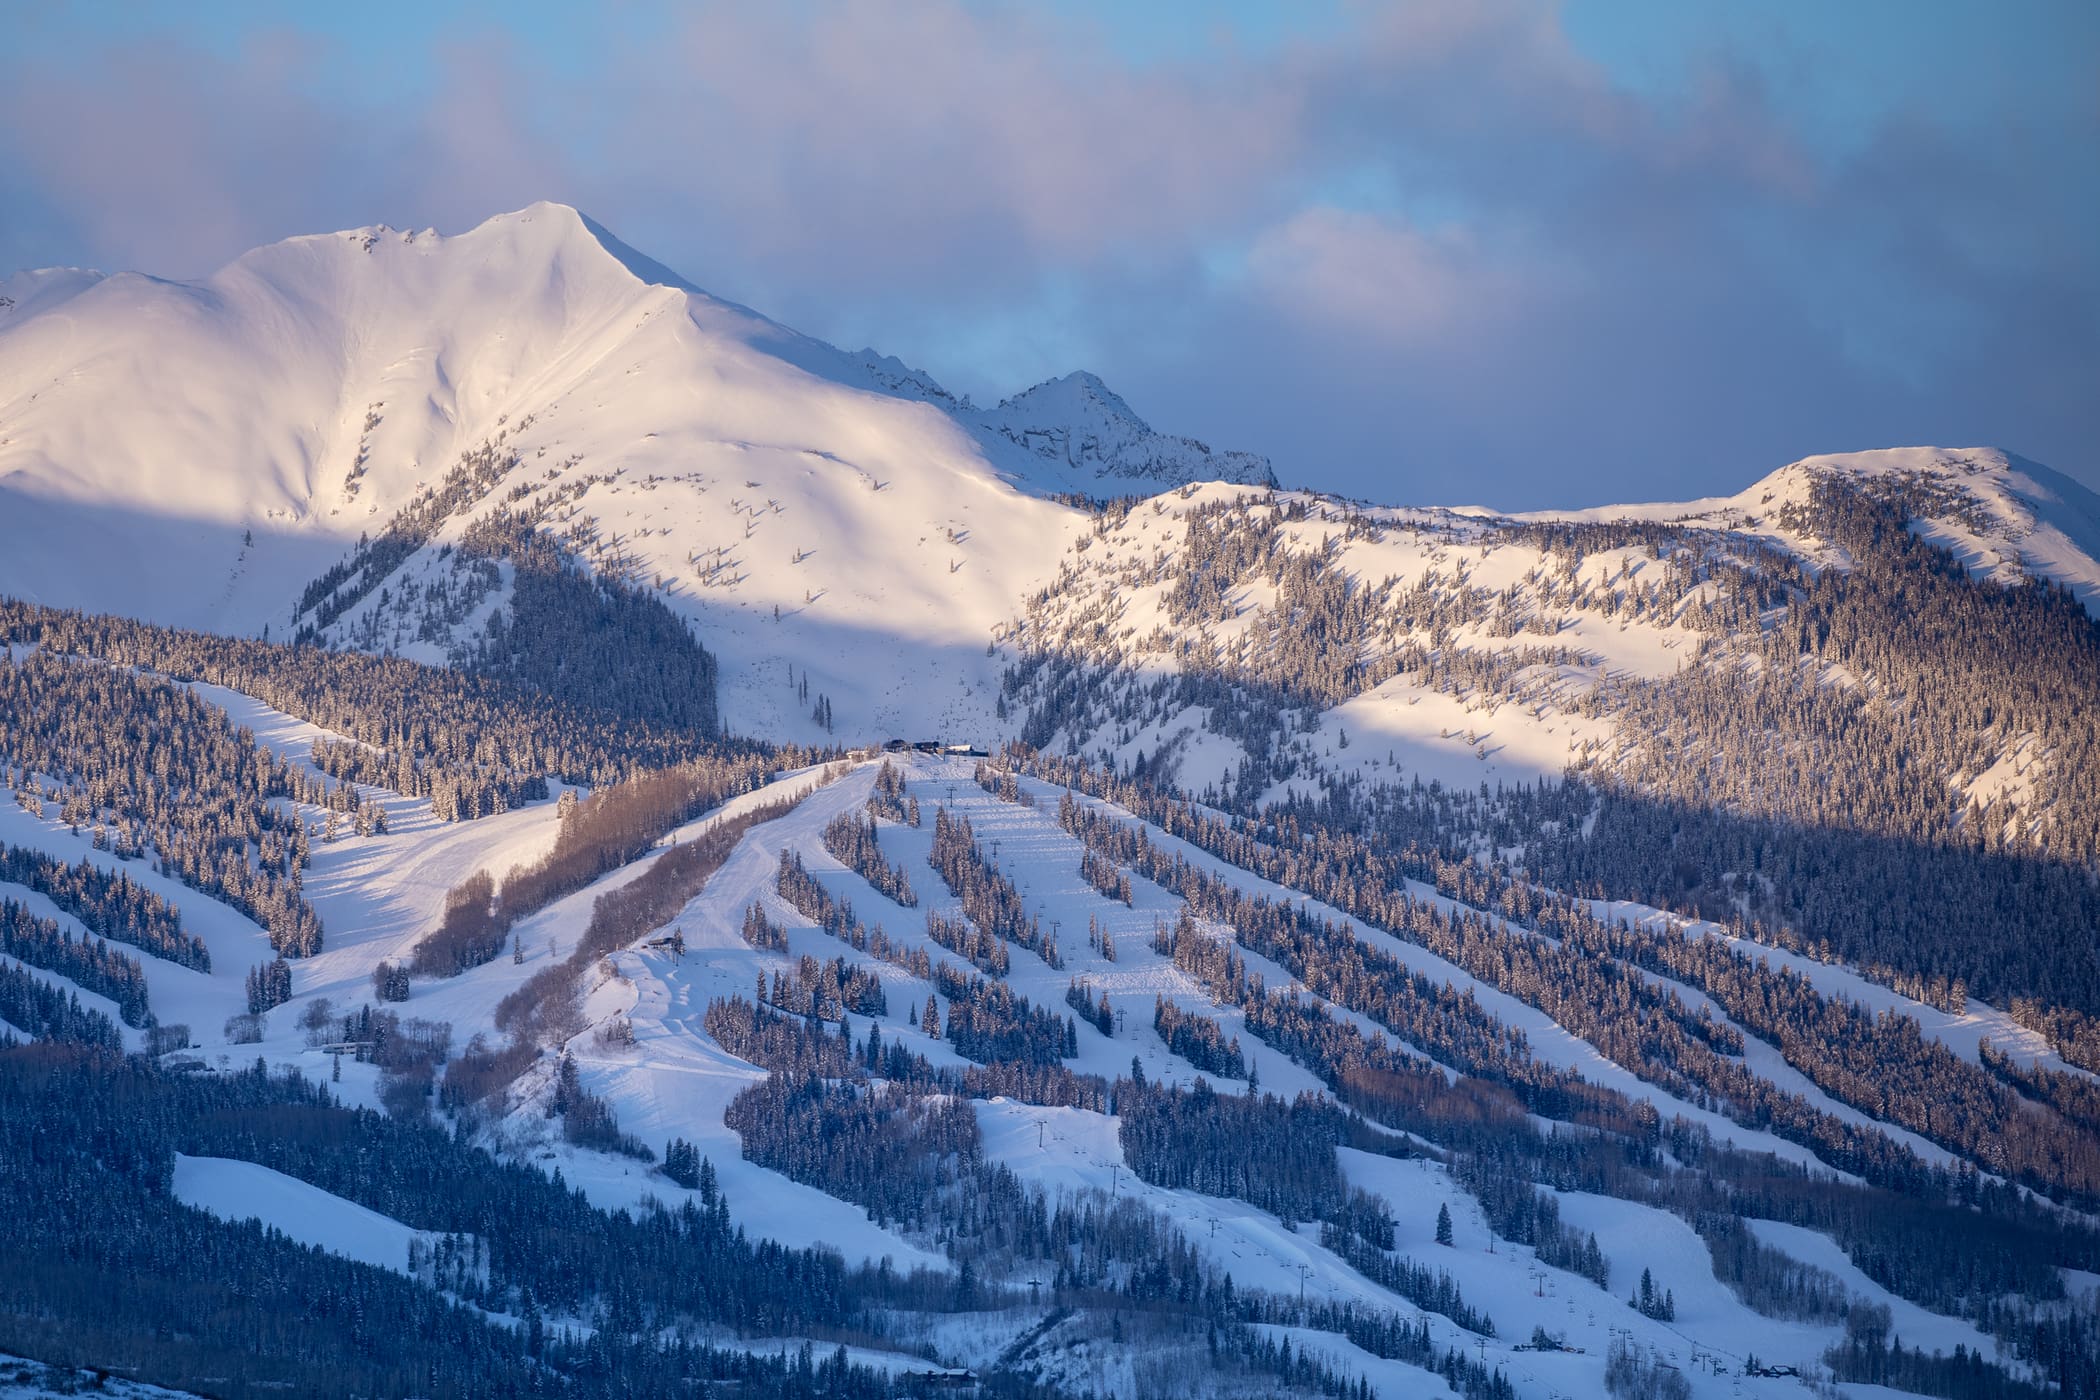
(682, 1163)
(930, 1019)
(269, 984)
(1443, 1224)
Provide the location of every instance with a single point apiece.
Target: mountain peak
(330, 378)
(1079, 425)
(1080, 388)
(2003, 516)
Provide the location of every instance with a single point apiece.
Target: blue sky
(1516, 253)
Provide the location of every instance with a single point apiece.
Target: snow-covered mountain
(308, 389)
(830, 524)
(2007, 518)
(1809, 904)
(196, 452)
(1079, 426)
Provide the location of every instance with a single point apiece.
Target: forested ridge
(471, 743)
(1985, 1243)
(1949, 1239)
(89, 963)
(111, 903)
(240, 1310)
(883, 1129)
(1815, 767)
(1586, 976)
(113, 1272)
(572, 627)
(599, 833)
(150, 767)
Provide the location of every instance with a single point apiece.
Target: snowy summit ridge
(519, 308)
(2004, 517)
(1079, 424)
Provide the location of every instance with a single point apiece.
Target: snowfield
(23, 1379)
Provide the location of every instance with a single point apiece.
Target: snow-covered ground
(1906, 1319)
(1068, 1151)
(235, 1190)
(379, 894)
(24, 1379)
(177, 994)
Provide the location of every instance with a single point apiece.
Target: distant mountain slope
(2007, 518)
(835, 523)
(221, 433)
(407, 443)
(1079, 426)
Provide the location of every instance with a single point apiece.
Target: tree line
(89, 963)
(594, 836)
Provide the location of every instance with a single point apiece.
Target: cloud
(1367, 277)
(1438, 247)
(963, 152)
(174, 160)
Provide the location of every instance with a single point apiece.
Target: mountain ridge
(1073, 424)
(833, 525)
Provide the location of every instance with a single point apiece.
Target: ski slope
(379, 894)
(236, 1190)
